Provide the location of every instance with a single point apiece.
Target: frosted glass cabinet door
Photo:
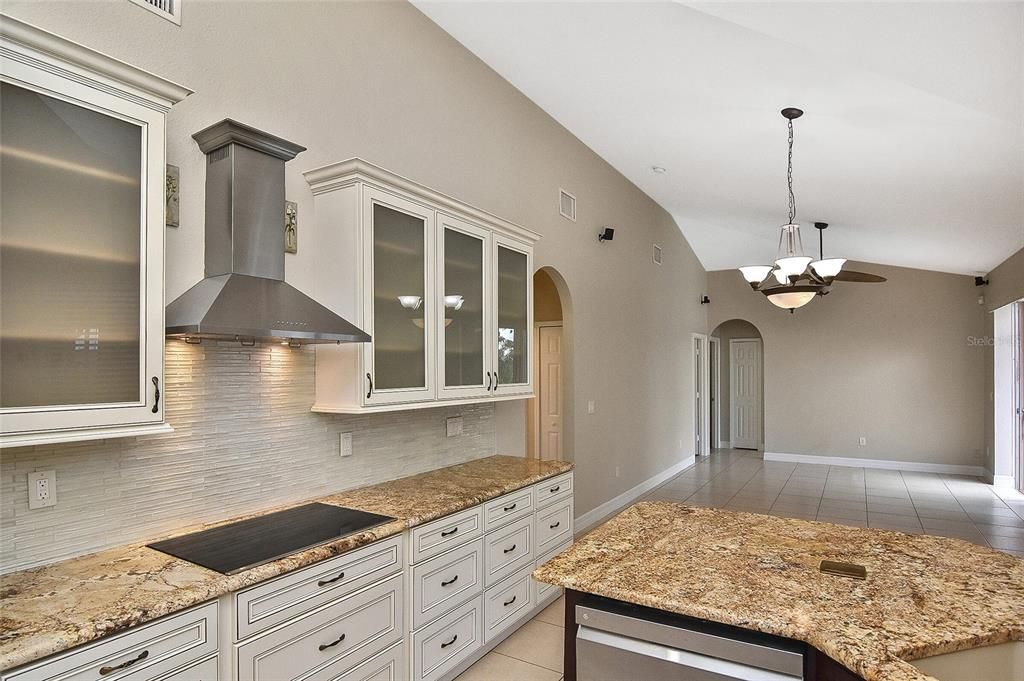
(398, 362)
(80, 336)
(463, 288)
(514, 317)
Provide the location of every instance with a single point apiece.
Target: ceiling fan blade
(860, 277)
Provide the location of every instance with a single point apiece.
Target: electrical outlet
(453, 426)
(863, 442)
(346, 444)
(590, 406)
(42, 489)
(617, 471)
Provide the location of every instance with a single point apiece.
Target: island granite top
(923, 595)
(49, 609)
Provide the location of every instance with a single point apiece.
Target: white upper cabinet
(82, 244)
(444, 289)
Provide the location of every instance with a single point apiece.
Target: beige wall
(546, 305)
(907, 375)
(380, 81)
(726, 331)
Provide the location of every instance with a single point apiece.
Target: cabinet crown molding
(86, 64)
(344, 173)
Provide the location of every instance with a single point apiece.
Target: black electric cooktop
(231, 548)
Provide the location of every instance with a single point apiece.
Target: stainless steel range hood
(244, 296)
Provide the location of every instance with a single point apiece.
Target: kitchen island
(716, 570)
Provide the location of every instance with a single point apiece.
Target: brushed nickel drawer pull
(332, 580)
(551, 527)
(454, 639)
(555, 489)
(124, 665)
(511, 549)
(510, 602)
(510, 508)
(450, 532)
(156, 395)
(325, 646)
(450, 581)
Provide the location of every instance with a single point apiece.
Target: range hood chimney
(244, 296)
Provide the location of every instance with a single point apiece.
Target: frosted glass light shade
(410, 302)
(790, 300)
(829, 267)
(794, 265)
(755, 274)
(454, 302)
(780, 277)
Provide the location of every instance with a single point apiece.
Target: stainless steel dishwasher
(623, 644)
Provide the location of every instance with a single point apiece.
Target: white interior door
(745, 401)
(701, 412)
(551, 401)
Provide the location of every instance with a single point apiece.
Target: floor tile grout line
(970, 518)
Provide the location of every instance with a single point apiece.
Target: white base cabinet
(420, 606)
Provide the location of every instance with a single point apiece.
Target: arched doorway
(737, 386)
(549, 413)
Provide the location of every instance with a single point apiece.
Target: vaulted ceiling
(912, 145)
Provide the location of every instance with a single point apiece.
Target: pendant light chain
(789, 176)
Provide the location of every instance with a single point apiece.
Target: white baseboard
(946, 468)
(592, 517)
(724, 444)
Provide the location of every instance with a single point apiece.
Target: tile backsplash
(244, 440)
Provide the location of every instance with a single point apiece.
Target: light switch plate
(42, 489)
(590, 406)
(454, 426)
(346, 444)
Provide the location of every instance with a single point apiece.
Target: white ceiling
(912, 146)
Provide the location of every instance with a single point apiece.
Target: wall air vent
(168, 9)
(656, 256)
(567, 205)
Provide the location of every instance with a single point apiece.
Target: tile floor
(946, 505)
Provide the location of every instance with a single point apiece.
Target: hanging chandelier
(780, 282)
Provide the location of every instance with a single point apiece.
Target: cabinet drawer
(507, 603)
(448, 532)
(508, 549)
(387, 666)
(146, 652)
(510, 507)
(442, 645)
(329, 641)
(204, 670)
(554, 525)
(542, 589)
(445, 581)
(270, 603)
(553, 489)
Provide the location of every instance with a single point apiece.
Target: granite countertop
(49, 609)
(923, 595)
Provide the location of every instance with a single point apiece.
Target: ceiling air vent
(656, 256)
(168, 9)
(567, 205)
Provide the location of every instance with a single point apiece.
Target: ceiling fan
(792, 266)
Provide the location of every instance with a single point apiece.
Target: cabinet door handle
(510, 602)
(555, 489)
(511, 549)
(156, 396)
(325, 646)
(450, 581)
(450, 532)
(506, 509)
(124, 665)
(332, 580)
(495, 381)
(369, 390)
(454, 639)
(551, 527)
(488, 381)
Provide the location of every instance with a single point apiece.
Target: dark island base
(817, 665)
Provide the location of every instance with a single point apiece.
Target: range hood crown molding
(229, 131)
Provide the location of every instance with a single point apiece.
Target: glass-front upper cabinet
(398, 363)
(81, 255)
(464, 289)
(513, 314)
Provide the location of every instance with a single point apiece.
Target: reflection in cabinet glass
(70, 254)
(399, 332)
(463, 309)
(513, 316)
